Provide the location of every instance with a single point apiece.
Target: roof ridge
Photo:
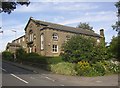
(67, 28)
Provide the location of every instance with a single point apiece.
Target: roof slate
(66, 28)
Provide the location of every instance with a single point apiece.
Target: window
(42, 41)
(67, 37)
(23, 39)
(31, 37)
(55, 36)
(55, 48)
(19, 40)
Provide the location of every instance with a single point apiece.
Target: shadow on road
(16, 68)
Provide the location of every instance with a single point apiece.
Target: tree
(7, 6)
(115, 44)
(79, 48)
(85, 26)
(114, 47)
(117, 24)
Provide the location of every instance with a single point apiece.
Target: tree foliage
(79, 48)
(115, 47)
(85, 26)
(7, 55)
(20, 54)
(116, 26)
(7, 6)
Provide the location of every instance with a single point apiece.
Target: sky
(71, 13)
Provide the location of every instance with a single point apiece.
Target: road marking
(98, 81)
(49, 79)
(3, 69)
(62, 85)
(19, 78)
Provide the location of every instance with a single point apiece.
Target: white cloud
(54, 6)
(76, 6)
(92, 17)
(73, 0)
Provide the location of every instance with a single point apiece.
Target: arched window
(42, 41)
(55, 36)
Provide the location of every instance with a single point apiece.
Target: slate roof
(18, 38)
(66, 28)
(13, 44)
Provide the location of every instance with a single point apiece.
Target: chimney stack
(103, 37)
(102, 32)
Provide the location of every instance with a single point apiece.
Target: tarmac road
(16, 76)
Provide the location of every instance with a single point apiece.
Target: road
(15, 76)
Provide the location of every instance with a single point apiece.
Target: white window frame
(31, 37)
(23, 39)
(55, 36)
(55, 48)
(42, 41)
(19, 40)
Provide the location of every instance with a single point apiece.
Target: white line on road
(3, 69)
(19, 78)
(49, 79)
(62, 85)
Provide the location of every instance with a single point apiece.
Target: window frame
(42, 41)
(55, 48)
(31, 36)
(55, 36)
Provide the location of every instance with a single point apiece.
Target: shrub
(64, 68)
(54, 60)
(7, 56)
(79, 48)
(34, 57)
(99, 68)
(20, 54)
(83, 68)
(114, 68)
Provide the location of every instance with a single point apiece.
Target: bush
(114, 68)
(99, 68)
(7, 56)
(20, 54)
(64, 68)
(79, 48)
(54, 60)
(84, 68)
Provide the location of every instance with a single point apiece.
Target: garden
(82, 57)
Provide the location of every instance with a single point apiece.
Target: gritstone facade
(47, 38)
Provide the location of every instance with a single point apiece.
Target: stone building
(46, 38)
(16, 44)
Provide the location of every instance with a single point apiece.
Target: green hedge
(36, 58)
(7, 56)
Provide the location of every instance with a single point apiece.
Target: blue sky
(97, 14)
